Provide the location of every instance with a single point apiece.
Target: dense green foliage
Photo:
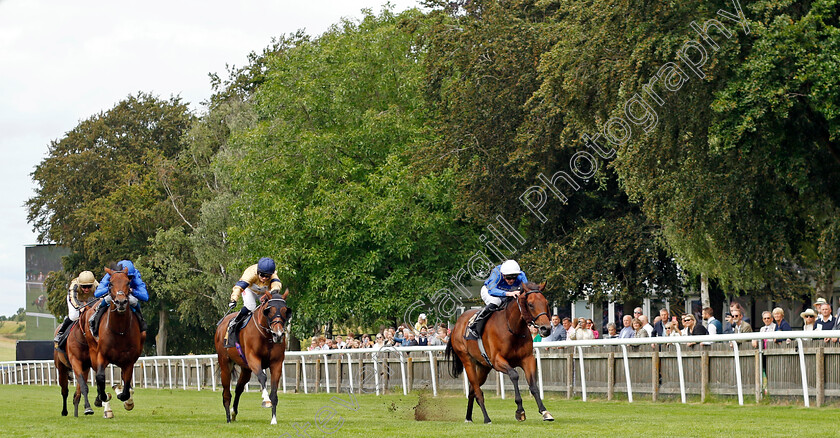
(368, 160)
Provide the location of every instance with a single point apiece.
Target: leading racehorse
(120, 340)
(262, 344)
(508, 344)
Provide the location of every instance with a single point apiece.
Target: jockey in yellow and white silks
(255, 281)
(78, 294)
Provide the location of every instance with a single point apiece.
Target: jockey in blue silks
(505, 281)
(138, 293)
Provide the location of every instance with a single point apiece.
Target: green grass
(35, 411)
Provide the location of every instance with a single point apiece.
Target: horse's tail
(456, 367)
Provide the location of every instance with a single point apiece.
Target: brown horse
(508, 344)
(120, 340)
(76, 357)
(263, 345)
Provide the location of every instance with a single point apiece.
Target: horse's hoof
(88, 411)
(266, 404)
(63, 413)
(467, 421)
(109, 414)
(520, 416)
(97, 402)
(129, 404)
(273, 420)
(122, 397)
(233, 416)
(547, 416)
(488, 422)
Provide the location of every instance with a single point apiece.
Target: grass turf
(35, 411)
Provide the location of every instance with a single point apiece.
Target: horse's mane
(531, 286)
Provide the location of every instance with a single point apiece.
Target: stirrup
(471, 334)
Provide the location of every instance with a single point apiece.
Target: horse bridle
(265, 330)
(533, 321)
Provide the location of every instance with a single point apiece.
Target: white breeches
(72, 312)
(249, 299)
(485, 295)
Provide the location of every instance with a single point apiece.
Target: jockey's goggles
(511, 277)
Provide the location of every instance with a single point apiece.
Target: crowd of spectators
(406, 336)
(666, 324)
(636, 326)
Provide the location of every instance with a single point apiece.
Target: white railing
(41, 372)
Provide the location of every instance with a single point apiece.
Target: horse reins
(533, 321)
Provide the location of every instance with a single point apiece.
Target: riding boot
(233, 330)
(94, 320)
(474, 330)
(140, 319)
(64, 326)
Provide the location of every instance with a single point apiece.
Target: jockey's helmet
(86, 278)
(265, 266)
(131, 271)
(510, 267)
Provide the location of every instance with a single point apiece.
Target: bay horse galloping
(76, 358)
(120, 340)
(508, 344)
(262, 344)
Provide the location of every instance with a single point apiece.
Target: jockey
(255, 280)
(505, 281)
(78, 294)
(138, 292)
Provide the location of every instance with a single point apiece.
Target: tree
(490, 72)
(103, 190)
(323, 182)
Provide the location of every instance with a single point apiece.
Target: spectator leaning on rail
(558, 331)
(627, 331)
(692, 328)
(505, 281)
(78, 294)
(138, 293)
(714, 326)
(256, 280)
(809, 317)
(825, 321)
(781, 324)
(738, 323)
(659, 327)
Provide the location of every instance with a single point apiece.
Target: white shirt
(711, 327)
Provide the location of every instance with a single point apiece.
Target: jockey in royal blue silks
(138, 293)
(505, 281)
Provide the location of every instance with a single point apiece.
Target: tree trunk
(704, 291)
(160, 339)
(825, 284)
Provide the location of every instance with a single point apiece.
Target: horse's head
(278, 314)
(120, 288)
(534, 307)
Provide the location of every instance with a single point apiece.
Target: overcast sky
(61, 62)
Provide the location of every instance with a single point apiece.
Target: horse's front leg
(276, 372)
(125, 395)
(529, 365)
(261, 377)
(101, 395)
